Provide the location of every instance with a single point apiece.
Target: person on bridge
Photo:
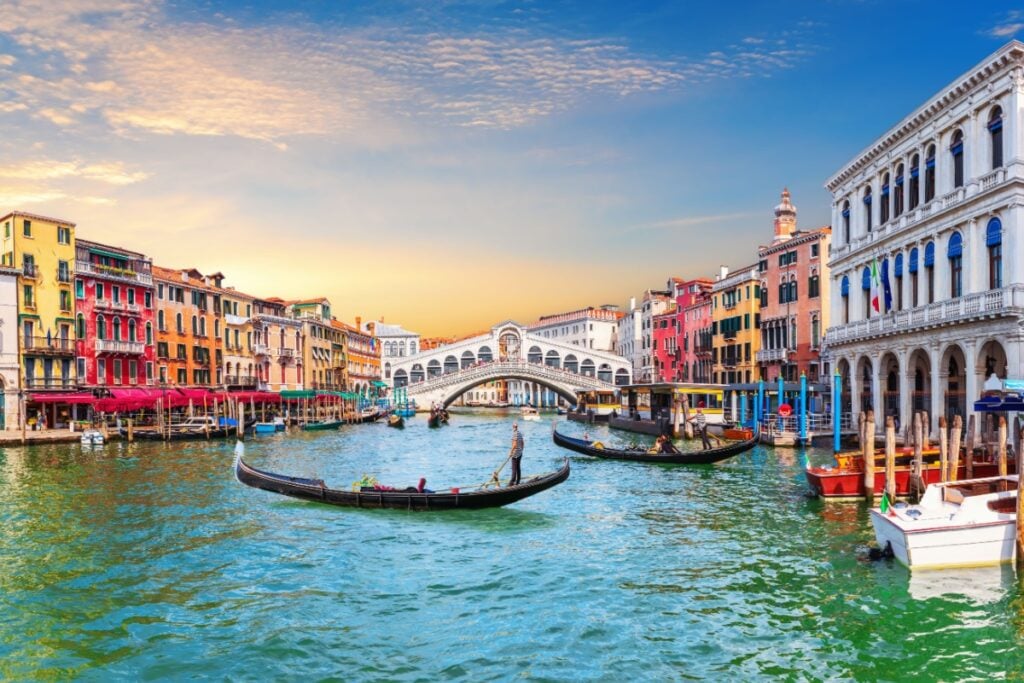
(517, 454)
(700, 424)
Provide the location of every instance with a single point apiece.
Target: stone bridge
(445, 388)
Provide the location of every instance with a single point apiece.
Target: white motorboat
(92, 437)
(966, 523)
(530, 413)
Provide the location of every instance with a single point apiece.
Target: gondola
(185, 432)
(436, 420)
(476, 498)
(396, 421)
(692, 457)
(369, 417)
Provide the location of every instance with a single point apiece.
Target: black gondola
(434, 421)
(476, 498)
(185, 433)
(370, 417)
(691, 457)
(396, 421)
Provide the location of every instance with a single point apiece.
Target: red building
(114, 316)
(673, 336)
(695, 347)
(664, 345)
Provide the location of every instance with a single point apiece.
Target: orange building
(189, 345)
(363, 367)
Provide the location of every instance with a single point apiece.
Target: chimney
(632, 303)
(359, 323)
(723, 272)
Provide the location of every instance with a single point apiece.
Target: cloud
(113, 173)
(692, 221)
(1010, 26)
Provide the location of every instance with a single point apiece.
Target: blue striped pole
(782, 399)
(837, 393)
(743, 409)
(759, 408)
(803, 408)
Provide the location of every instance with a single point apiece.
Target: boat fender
(598, 445)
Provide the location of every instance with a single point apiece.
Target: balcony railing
(286, 353)
(29, 271)
(121, 306)
(55, 345)
(240, 380)
(111, 346)
(772, 355)
(49, 382)
(235, 319)
(991, 304)
(121, 274)
(262, 350)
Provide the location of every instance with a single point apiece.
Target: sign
(785, 410)
(1016, 385)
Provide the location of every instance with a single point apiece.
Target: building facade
(935, 207)
(323, 358)
(277, 346)
(363, 357)
(795, 304)
(396, 343)
(696, 346)
(115, 318)
(10, 371)
(735, 323)
(239, 352)
(189, 346)
(591, 328)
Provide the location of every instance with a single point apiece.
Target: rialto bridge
(507, 352)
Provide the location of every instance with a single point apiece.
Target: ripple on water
(149, 561)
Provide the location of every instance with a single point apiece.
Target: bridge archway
(459, 390)
(401, 378)
(467, 359)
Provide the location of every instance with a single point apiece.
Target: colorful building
(794, 298)
(670, 329)
(323, 360)
(115, 316)
(188, 337)
(696, 345)
(735, 324)
(664, 340)
(278, 346)
(239, 353)
(363, 357)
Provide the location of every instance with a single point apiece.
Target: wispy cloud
(695, 221)
(1009, 26)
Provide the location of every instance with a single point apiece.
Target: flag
(886, 287)
(883, 507)
(876, 287)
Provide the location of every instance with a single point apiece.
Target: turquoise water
(148, 561)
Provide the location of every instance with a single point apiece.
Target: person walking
(700, 423)
(517, 454)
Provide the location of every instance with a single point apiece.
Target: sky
(447, 165)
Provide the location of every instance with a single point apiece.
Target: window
(101, 371)
(130, 292)
(884, 207)
(160, 294)
(867, 208)
(149, 299)
(65, 301)
(149, 333)
(915, 182)
(79, 289)
(195, 326)
(115, 294)
(80, 326)
(161, 349)
(99, 291)
(897, 199)
(63, 235)
(954, 252)
(994, 242)
(132, 331)
(133, 370)
(995, 131)
(101, 327)
(956, 148)
(149, 372)
(844, 291)
(7, 230)
(814, 250)
(117, 329)
(182, 352)
(813, 286)
(846, 222)
(182, 376)
(26, 229)
(929, 174)
(865, 284)
(929, 266)
(63, 272)
(898, 272)
(117, 371)
(29, 299)
(160, 321)
(815, 332)
(80, 366)
(180, 323)
(913, 278)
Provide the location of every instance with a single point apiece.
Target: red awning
(137, 393)
(71, 398)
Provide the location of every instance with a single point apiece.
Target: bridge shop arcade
(657, 408)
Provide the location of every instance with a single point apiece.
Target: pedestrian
(517, 454)
(700, 423)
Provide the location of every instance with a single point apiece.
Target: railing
(122, 306)
(261, 350)
(124, 275)
(49, 382)
(231, 319)
(29, 271)
(286, 353)
(770, 355)
(987, 182)
(499, 369)
(954, 198)
(112, 346)
(995, 302)
(241, 380)
(57, 345)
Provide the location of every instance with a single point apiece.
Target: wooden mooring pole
(868, 447)
(943, 450)
(1002, 446)
(954, 448)
(890, 459)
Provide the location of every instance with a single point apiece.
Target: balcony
(64, 277)
(772, 355)
(29, 271)
(49, 382)
(995, 303)
(112, 273)
(247, 381)
(127, 347)
(235, 319)
(262, 350)
(118, 306)
(286, 353)
(48, 346)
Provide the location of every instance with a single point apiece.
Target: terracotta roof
(300, 302)
(128, 252)
(38, 217)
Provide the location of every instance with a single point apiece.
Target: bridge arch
(451, 364)
(571, 363)
(401, 378)
(485, 355)
(416, 375)
(587, 368)
(434, 368)
(604, 373)
(458, 390)
(467, 359)
(552, 359)
(535, 355)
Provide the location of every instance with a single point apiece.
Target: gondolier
(517, 454)
(700, 422)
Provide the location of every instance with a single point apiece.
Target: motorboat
(530, 413)
(92, 437)
(957, 524)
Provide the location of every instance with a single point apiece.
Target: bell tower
(785, 219)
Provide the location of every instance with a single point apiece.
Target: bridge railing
(500, 368)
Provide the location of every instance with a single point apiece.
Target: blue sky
(450, 164)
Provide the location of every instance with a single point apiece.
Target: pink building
(672, 332)
(695, 346)
(794, 298)
(664, 345)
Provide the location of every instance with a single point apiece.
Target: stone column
(855, 408)
(972, 371)
(972, 157)
(942, 186)
(877, 403)
(943, 273)
(906, 375)
(940, 381)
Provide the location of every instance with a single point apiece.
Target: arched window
(101, 327)
(883, 209)
(929, 269)
(912, 268)
(202, 326)
(865, 284)
(897, 199)
(216, 327)
(180, 322)
(844, 291)
(898, 277)
(954, 252)
(915, 182)
(814, 285)
(387, 371)
(132, 331)
(80, 326)
(994, 242)
(929, 174)
(956, 149)
(149, 333)
(995, 131)
(792, 288)
(195, 326)
(815, 331)
(867, 208)
(846, 222)
(117, 329)
(792, 333)
(161, 322)
(485, 354)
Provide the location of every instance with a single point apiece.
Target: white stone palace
(938, 200)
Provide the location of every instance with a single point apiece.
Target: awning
(79, 398)
(291, 394)
(1000, 404)
(252, 396)
(378, 383)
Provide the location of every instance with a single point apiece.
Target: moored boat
(956, 524)
(703, 457)
(92, 437)
(530, 414)
(192, 429)
(321, 425)
(408, 499)
(396, 421)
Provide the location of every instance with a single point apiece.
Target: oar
(494, 477)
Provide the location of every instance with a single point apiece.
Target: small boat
(322, 425)
(92, 437)
(530, 414)
(369, 415)
(192, 429)
(561, 411)
(845, 479)
(957, 524)
(409, 499)
(265, 428)
(434, 421)
(705, 457)
(396, 421)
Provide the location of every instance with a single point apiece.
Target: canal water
(149, 561)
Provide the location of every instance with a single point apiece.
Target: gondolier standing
(517, 454)
(700, 422)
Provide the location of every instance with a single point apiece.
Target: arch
(883, 209)
(865, 279)
(587, 368)
(953, 369)
(180, 323)
(622, 375)
(846, 221)
(897, 198)
(929, 173)
(195, 326)
(202, 326)
(535, 355)
(991, 360)
(571, 363)
(451, 364)
(915, 182)
(955, 245)
(401, 378)
(416, 374)
(161, 322)
(132, 331)
(994, 232)
(867, 207)
(929, 255)
(995, 131)
(846, 388)
(455, 392)
(844, 286)
(484, 354)
(116, 329)
(956, 149)
(149, 333)
(387, 370)
(434, 368)
(890, 367)
(865, 368)
(552, 359)
(467, 359)
(994, 244)
(604, 373)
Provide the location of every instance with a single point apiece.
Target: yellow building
(239, 349)
(43, 249)
(323, 355)
(735, 325)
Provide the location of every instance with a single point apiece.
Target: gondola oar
(494, 477)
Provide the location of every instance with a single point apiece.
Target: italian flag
(876, 286)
